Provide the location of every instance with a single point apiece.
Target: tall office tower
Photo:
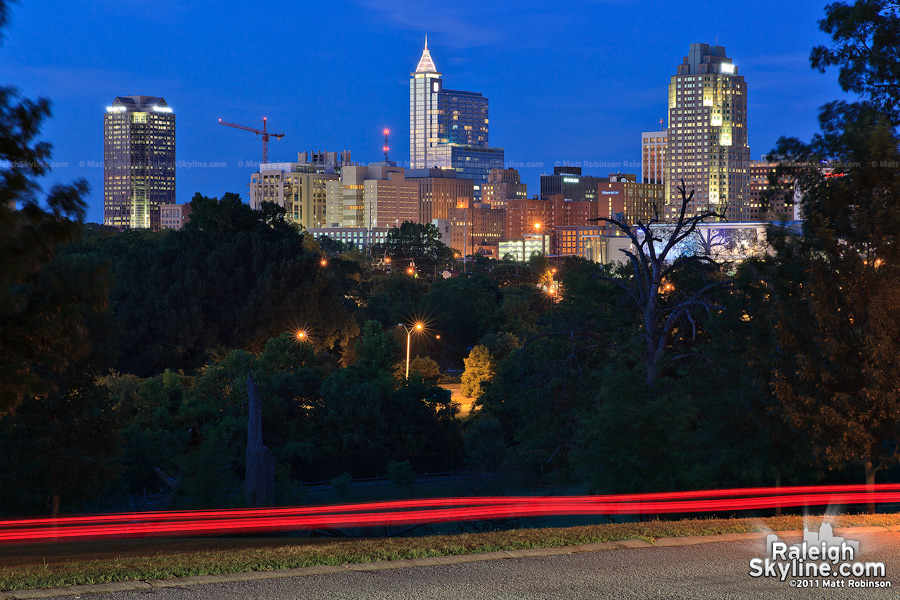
(569, 182)
(424, 127)
(653, 156)
(503, 185)
(449, 128)
(707, 143)
(138, 161)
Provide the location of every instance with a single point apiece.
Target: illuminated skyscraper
(448, 128)
(138, 161)
(707, 143)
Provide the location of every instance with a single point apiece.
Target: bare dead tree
(655, 261)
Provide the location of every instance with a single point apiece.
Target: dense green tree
(834, 291)
(59, 448)
(424, 367)
(391, 299)
(864, 48)
(479, 369)
(416, 244)
(233, 278)
(484, 446)
(462, 309)
(42, 302)
(835, 294)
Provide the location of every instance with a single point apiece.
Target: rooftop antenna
(386, 132)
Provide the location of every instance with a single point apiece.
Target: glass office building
(138, 161)
(449, 128)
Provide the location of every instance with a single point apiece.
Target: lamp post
(409, 330)
(537, 228)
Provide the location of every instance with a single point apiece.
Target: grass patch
(153, 565)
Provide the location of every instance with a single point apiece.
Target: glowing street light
(537, 229)
(418, 326)
(324, 262)
(302, 335)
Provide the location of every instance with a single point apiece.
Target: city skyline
(588, 99)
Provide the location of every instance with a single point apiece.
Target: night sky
(578, 84)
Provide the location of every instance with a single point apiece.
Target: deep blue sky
(567, 81)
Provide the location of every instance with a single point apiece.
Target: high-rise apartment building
(707, 142)
(503, 185)
(449, 128)
(138, 161)
(653, 156)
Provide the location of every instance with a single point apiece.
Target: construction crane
(264, 132)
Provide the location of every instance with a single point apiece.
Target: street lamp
(416, 327)
(537, 228)
(324, 262)
(302, 335)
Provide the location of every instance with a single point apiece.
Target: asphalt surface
(712, 570)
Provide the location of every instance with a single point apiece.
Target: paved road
(716, 570)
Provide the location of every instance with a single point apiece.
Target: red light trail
(431, 510)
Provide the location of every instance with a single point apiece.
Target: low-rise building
(523, 248)
(361, 237)
(174, 216)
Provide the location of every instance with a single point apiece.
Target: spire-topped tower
(424, 88)
(448, 128)
(426, 65)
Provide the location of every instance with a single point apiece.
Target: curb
(148, 584)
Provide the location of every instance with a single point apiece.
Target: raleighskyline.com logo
(821, 560)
